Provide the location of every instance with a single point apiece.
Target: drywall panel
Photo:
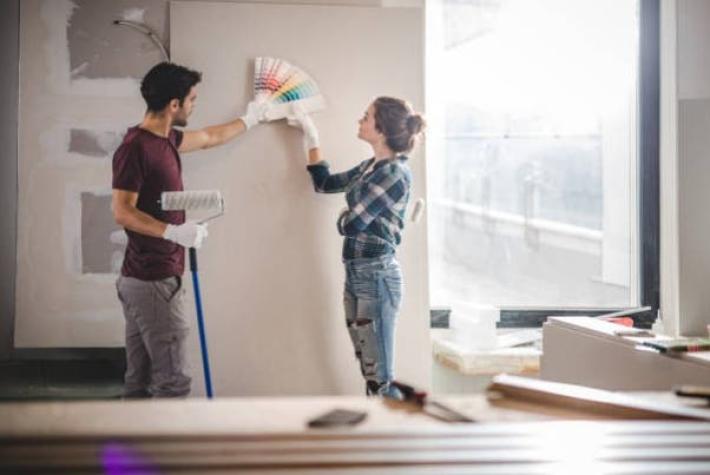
(270, 270)
(69, 124)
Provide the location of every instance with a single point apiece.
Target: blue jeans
(372, 299)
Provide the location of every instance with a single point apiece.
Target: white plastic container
(473, 326)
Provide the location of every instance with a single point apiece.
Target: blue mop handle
(200, 322)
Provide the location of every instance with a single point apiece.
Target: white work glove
(256, 112)
(190, 234)
(302, 120)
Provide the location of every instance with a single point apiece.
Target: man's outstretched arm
(223, 133)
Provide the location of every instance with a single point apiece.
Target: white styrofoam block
(474, 326)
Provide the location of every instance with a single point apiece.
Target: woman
(377, 192)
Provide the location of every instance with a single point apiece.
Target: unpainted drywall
(93, 37)
(69, 126)
(271, 272)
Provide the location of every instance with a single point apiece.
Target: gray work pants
(156, 331)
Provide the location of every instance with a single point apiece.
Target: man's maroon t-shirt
(149, 164)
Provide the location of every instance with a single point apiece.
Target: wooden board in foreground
(545, 396)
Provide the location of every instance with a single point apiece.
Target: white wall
(272, 272)
(685, 167)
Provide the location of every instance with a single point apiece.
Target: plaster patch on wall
(94, 143)
(134, 14)
(78, 143)
(113, 50)
(79, 69)
(56, 16)
(102, 244)
(54, 142)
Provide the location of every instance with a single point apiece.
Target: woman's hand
(303, 121)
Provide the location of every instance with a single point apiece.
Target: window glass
(532, 148)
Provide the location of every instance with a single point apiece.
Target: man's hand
(303, 121)
(256, 112)
(190, 234)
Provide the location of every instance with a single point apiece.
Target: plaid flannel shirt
(377, 200)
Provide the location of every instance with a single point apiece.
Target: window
(541, 174)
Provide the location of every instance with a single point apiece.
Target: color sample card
(282, 84)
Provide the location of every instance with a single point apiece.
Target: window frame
(648, 189)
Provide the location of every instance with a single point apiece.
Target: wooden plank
(264, 435)
(588, 400)
(501, 444)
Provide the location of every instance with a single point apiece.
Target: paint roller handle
(193, 259)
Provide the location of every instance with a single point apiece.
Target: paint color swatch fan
(284, 85)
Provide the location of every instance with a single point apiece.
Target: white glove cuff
(169, 232)
(311, 141)
(249, 121)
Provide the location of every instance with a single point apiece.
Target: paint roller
(203, 200)
(200, 200)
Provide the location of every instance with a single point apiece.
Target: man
(150, 285)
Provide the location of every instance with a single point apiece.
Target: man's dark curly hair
(165, 82)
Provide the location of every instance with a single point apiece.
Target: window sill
(523, 360)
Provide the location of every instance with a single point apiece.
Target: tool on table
(623, 317)
(337, 418)
(687, 390)
(431, 408)
(680, 345)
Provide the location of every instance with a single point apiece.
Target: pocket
(168, 288)
(365, 285)
(393, 289)
(118, 290)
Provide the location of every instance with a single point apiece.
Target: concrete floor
(37, 380)
(60, 380)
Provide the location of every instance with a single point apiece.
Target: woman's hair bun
(398, 122)
(415, 124)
